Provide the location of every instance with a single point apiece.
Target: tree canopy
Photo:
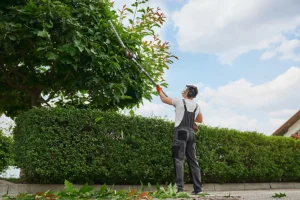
(65, 50)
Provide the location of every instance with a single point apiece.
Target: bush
(91, 146)
(5, 152)
(52, 145)
(233, 156)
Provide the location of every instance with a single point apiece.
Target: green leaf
(51, 56)
(49, 25)
(92, 7)
(149, 187)
(130, 10)
(12, 37)
(182, 195)
(158, 187)
(69, 187)
(98, 119)
(280, 195)
(41, 48)
(44, 34)
(93, 51)
(142, 186)
(79, 45)
(102, 189)
(131, 113)
(115, 64)
(85, 188)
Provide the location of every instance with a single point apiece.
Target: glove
(158, 89)
(195, 127)
(129, 54)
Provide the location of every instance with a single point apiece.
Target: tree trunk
(36, 99)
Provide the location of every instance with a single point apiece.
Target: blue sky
(243, 55)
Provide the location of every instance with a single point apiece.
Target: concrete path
(291, 194)
(247, 191)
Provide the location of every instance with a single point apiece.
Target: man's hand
(163, 97)
(158, 89)
(195, 127)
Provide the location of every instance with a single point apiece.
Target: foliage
(88, 192)
(232, 156)
(52, 145)
(6, 155)
(91, 146)
(65, 53)
(279, 195)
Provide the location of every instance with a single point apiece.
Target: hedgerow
(91, 146)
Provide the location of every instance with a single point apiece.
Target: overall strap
(184, 104)
(196, 107)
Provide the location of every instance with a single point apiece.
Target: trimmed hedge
(6, 155)
(52, 145)
(234, 156)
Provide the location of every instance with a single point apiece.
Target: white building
(291, 128)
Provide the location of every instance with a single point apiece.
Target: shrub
(81, 146)
(91, 146)
(233, 156)
(5, 152)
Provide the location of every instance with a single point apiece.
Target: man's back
(179, 109)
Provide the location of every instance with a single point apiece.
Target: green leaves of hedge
(91, 146)
(6, 155)
(232, 156)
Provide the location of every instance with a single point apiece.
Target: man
(186, 113)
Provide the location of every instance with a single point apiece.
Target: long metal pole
(130, 55)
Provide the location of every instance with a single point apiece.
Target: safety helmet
(192, 91)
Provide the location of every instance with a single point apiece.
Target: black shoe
(196, 193)
(179, 191)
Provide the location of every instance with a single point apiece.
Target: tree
(65, 50)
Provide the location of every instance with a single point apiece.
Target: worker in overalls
(186, 113)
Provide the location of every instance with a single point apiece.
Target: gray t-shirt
(179, 109)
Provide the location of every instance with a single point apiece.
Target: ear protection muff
(190, 93)
(193, 91)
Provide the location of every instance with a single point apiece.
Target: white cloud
(287, 50)
(278, 93)
(222, 116)
(268, 54)
(233, 27)
(284, 113)
(246, 106)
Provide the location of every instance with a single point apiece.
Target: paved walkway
(291, 194)
(253, 191)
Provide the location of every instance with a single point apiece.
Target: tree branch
(11, 83)
(135, 11)
(16, 72)
(42, 100)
